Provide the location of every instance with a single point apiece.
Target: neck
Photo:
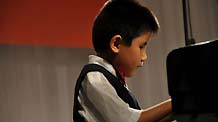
(110, 59)
(121, 73)
(107, 56)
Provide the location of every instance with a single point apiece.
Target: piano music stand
(192, 73)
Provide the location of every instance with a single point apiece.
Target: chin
(129, 74)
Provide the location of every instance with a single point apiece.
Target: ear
(115, 43)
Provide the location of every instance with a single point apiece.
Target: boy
(121, 32)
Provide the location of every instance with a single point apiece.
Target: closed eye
(143, 45)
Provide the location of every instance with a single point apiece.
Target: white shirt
(99, 99)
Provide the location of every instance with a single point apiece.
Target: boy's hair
(122, 17)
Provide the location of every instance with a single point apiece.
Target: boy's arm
(157, 112)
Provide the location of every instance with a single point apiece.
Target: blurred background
(45, 43)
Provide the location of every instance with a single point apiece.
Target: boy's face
(130, 58)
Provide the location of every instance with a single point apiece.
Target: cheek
(129, 61)
(134, 57)
(131, 66)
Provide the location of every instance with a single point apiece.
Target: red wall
(65, 23)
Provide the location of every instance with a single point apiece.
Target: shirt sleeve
(106, 101)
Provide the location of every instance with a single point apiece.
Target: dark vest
(121, 90)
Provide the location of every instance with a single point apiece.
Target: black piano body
(192, 73)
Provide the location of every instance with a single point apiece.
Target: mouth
(141, 64)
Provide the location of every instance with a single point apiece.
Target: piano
(192, 74)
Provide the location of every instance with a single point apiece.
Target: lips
(141, 64)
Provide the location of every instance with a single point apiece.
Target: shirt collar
(102, 62)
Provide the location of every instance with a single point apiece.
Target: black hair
(122, 17)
